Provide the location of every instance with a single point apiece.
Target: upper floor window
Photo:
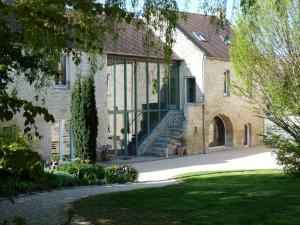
(199, 36)
(62, 80)
(108, 83)
(225, 39)
(226, 82)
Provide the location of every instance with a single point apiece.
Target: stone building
(141, 109)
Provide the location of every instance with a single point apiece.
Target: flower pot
(180, 151)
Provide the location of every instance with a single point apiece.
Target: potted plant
(180, 151)
(179, 148)
(53, 164)
(104, 153)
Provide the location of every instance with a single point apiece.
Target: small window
(226, 83)
(108, 83)
(199, 36)
(62, 80)
(225, 39)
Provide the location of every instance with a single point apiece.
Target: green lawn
(243, 197)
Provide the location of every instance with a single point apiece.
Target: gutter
(221, 59)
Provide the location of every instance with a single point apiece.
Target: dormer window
(199, 36)
(225, 39)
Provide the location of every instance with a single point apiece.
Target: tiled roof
(130, 43)
(214, 46)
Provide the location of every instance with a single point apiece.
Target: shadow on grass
(239, 197)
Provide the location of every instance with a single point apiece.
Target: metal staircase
(172, 130)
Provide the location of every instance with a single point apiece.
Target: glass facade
(139, 95)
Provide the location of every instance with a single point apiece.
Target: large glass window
(137, 101)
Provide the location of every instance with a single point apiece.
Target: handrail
(135, 119)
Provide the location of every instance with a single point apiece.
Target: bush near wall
(18, 161)
(120, 174)
(87, 173)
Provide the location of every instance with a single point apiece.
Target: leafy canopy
(34, 33)
(266, 60)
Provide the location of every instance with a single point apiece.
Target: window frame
(226, 90)
(108, 76)
(58, 83)
(200, 37)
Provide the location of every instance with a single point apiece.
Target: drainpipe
(203, 110)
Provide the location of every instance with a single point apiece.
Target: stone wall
(193, 129)
(191, 66)
(58, 102)
(233, 110)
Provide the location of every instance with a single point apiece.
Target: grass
(260, 197)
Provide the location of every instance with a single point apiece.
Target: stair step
(160, 145)
(174, 129)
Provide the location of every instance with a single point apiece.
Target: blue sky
(194, 6)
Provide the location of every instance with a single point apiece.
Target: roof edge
(140, 56)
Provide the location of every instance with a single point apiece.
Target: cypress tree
(84, 122)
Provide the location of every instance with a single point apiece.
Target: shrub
(120, 174)
(84, 121)
(19, 161)
(9, 186)
(55, 179)
(87, 173)
(287, 152)
(12, 187)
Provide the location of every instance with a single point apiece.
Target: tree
(265, 54)
(34, 33)
(84, 120)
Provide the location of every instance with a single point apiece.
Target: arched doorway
(217, 133)
(247, 131)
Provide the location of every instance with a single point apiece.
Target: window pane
(153, 119)
(131, 132)
(163, 88)
(110, 87)
(120, 133)
(174, 85)
(62, 79)
(119, 79)
(110, 130)
(153, 82)
(142, 126)
(141, 86)
(130, 85)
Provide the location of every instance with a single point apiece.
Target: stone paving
(47, 208)
(242, 159)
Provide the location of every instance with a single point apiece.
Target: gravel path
(49, 208)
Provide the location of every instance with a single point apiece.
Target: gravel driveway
(47, 208)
